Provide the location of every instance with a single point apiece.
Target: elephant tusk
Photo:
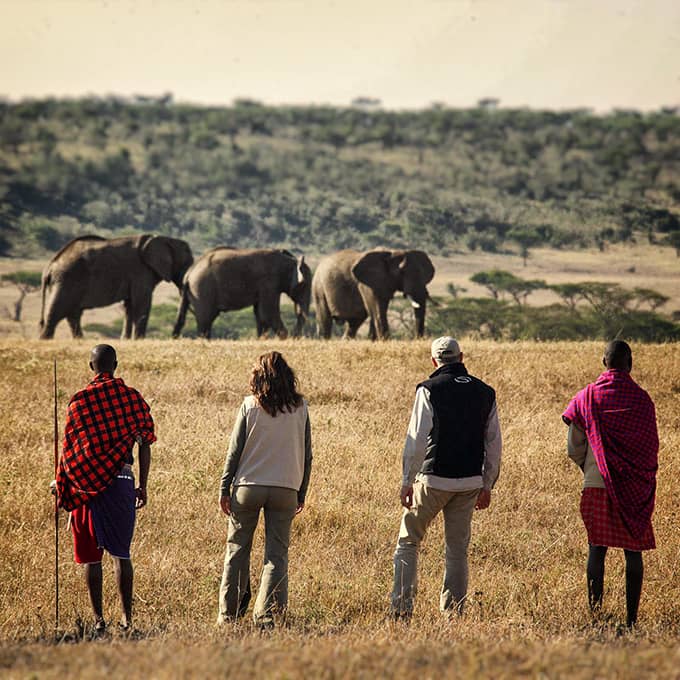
(414, 304)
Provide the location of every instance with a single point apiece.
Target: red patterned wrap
(103, 422)
(619, 420)
(605, 525)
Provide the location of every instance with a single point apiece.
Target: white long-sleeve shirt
(415, 449)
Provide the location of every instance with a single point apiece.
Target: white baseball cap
(445, 350)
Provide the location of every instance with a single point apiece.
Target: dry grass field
(527, 613)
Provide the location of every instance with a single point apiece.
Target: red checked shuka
(104, 421)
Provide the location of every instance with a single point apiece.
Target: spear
(56, 508)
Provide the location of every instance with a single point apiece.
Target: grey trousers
(279, 506)
(457, 508)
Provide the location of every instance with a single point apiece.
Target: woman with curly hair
(267, 467)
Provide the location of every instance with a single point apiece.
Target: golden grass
(527, 613)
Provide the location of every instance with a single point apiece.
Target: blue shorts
(107, 522)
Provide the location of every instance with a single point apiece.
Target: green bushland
(322, 178)
(589, 310)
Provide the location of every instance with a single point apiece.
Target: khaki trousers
(457, 508)
(279, 506)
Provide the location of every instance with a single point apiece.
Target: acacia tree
(501, 282)
(570, 293)
(650, 297)
(26, 282)
(525, 237)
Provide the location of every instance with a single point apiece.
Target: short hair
(618, 354)
(103, 358)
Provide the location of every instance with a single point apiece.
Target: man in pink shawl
(614, 440)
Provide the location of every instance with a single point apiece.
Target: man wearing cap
(451, 461)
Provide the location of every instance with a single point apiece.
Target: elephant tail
(181, 311)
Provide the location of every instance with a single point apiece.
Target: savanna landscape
(547, 198)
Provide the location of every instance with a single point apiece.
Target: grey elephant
(225, 279)
(91, 271)
(349, 286)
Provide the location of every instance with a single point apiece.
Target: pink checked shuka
(619, 420)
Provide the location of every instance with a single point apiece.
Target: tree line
(324, 178)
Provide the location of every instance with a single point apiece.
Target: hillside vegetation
(527, 612)
(323, 178)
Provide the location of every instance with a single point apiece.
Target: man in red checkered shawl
(613, 438)
(95, 481)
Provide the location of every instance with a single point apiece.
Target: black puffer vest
(461, 405)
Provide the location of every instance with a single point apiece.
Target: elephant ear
(420, 259)
(372, 269)
(157, 254)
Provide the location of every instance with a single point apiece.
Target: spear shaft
(56, 508)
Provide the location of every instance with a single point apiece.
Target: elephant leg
(258, 323)
(127, 322)
(47, 331)
(324, 320)
(379, 318)
(74, 324)
(351, 328)
(57, 309)
(270, 316)
(141, 307)
(371, 330)
(204, 322)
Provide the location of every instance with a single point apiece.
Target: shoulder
(485, 387)
(133, 394)
(249, 403)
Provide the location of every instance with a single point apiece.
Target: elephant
(224, 279)
(348, 286)
(91, 271)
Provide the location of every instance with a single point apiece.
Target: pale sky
(553, 54)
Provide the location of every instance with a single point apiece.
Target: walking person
(451, 461)
(267, 468)
(95, 480)
(613, 438)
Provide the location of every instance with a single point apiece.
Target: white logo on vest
(462, 379)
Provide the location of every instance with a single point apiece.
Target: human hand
(141, 499)
(300, 508)
(483, 499)
(225, 504)
(406, 496)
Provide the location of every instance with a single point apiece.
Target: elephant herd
(348, 286)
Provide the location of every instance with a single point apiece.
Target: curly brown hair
(274, 384)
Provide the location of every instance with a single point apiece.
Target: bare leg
(93, 579)
(124, 579)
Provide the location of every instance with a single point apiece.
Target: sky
(553, 54)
